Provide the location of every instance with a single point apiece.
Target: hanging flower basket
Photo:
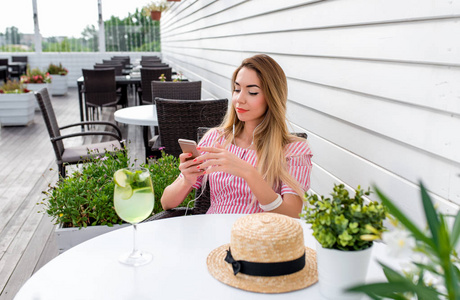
(155, 15)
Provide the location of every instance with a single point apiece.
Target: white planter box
(66, 238)
(17, 109)
(36, 87)
(58, 85)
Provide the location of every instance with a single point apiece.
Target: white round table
(144, 115)
(179, 246)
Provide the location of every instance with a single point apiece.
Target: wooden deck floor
(27, 167)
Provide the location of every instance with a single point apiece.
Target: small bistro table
(144, 115)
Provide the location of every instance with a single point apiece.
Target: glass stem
(134, 241)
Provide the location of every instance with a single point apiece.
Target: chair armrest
(114, 126)
(154, 142)
(175, 212)
(58, 138)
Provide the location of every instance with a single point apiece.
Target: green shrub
(342, 222)
(85, 198)
(57, 69)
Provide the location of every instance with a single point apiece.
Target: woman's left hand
(219, 159)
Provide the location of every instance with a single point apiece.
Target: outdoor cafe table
(144, 115)
(178, 270)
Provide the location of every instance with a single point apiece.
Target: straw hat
(266, 244)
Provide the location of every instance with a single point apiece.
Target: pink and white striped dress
(231, 194)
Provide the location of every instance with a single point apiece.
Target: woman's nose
(240, 98)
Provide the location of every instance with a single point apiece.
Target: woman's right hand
(189, 167)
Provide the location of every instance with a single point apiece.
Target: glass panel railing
(75, 28)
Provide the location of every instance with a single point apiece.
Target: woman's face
(248, 98)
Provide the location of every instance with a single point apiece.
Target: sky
(62, 17)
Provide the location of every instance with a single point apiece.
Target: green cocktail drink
(133, 200)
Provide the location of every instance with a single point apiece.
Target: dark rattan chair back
(19, 59)
(77, 154)
(49, 117)
(124, 60)
(182, 90)
(181, 119)
(117, 67)
(147, 76)
(100, 87)
(153, 64)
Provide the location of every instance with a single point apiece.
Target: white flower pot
(58, 85)
(17, 109)
(67, 238)
(36, 87)
(339, 270)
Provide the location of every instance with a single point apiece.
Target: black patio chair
(181, 90)
(117, 66)
(100, 89)
(184, 90)
(181, 119)
(147, 76)
(77, 154)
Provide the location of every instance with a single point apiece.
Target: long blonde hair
(272, 135)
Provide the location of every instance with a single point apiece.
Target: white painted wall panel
(375, 84)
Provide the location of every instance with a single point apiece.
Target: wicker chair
(150, 58)
(153, 64)
(15, 71)
(100, 89)
(181, 119)
(77, 154)
(124, 60)
(4, 70)
(184, 90)
(147, 76)
(203, 199)
(118, 67)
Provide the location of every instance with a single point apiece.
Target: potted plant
(344, 228)
(58, 86)
(154, 9)
(82, 203)
(17, 104)
(434, 268)
(35, 80)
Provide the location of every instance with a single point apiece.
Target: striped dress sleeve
(298, 158)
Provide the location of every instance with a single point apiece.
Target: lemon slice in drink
(125, 192)
(120, 178)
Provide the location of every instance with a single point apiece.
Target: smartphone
(189, 146)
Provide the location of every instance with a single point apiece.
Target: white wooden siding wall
(374, 83)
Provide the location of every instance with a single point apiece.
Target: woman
(252, 162)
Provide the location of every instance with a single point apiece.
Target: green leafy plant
(437, 274)
(179, 77)
(13, 87)
(85, 198)
(343, 222)
(36, 76)
(164, 171)
(57, 69)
